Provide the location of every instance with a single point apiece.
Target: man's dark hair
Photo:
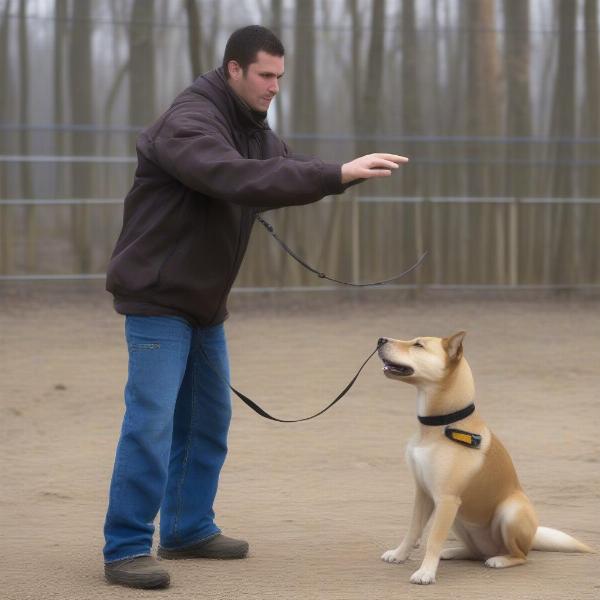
(245, 43)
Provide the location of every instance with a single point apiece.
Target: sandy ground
(319, 501)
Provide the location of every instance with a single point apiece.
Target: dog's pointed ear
(453, 345)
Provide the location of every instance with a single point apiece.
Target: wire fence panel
(472, 242)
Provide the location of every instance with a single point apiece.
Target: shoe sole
(141, 582)
(182, 554)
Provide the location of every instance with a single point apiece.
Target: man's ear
(453, 345)
(235, 71)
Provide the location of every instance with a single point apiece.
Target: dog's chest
(421, 458)
(439, 465)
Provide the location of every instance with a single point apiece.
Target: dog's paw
(423, 577)
(496, 562)
(502, 562)
(394, 556)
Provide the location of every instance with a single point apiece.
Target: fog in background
(496, 102)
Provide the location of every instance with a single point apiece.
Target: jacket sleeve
(289, 153)
(206, 162)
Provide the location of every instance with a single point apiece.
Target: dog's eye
(418, 345)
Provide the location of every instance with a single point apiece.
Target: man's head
(253, 64)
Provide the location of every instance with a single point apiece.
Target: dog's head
(423, 360)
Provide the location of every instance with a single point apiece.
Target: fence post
(420, 207)
(513, 242)
(5, 243)
(355, 238)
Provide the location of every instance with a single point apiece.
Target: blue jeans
(174, 437)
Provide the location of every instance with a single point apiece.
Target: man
(207, 166)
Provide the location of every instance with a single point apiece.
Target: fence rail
(359, 199)
(99, 159)
(511, 236)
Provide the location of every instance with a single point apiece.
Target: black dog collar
(447, 419)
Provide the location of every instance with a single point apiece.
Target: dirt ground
(318, 501)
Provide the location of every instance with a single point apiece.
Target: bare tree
(80, 87)
(26, 174)
(304, 108)
(61, 171)
(211, 39)
(141, 72)
(558, 266)
(194, 23)
(304, 116)
(518, 97)
(483, 119)
(4, 65)
(411, 180)
(591, 128)
(368, 124)
(369, 118)
(277, 27)
(518, 119)
(5, 229)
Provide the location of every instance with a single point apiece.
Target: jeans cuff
(195, 541)
(114, 560)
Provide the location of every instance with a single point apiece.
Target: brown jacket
(205, 168)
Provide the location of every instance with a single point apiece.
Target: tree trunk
(141, 74)
(518, 123)
(369, 121)
(80, 86)
(410, 215)
(194, 22)
(5, 228)
(592, 129)
(369, 117)
(26, 175)
(277, 28)
(560, 267)
(304, 112)
(60, 171)
(483, 119)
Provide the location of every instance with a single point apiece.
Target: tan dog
(464, 476)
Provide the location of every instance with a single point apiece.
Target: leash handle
(263, 413)
(322, 275)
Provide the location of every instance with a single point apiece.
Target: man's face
(260, 84)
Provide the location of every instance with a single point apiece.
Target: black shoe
(138, 572)
(217, 546)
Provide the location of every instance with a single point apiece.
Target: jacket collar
(214, 86)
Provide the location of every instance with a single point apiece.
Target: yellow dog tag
(465, 438)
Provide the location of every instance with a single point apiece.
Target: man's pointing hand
(371, 165)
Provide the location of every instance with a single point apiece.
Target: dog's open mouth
(390, 368)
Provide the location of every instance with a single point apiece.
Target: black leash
(263, 413)
(255, 407)
(322, 275)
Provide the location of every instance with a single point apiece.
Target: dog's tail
(553, 540)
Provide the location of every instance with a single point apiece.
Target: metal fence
(356, 206)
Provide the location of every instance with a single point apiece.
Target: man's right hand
(371, 165)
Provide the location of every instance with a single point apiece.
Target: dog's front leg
(422, 509)
(446, 508)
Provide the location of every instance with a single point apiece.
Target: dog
(464, 476)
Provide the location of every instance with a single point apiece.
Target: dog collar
(447, 419)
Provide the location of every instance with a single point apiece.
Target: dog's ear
(453, 345)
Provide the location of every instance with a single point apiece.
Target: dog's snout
(382, 341)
